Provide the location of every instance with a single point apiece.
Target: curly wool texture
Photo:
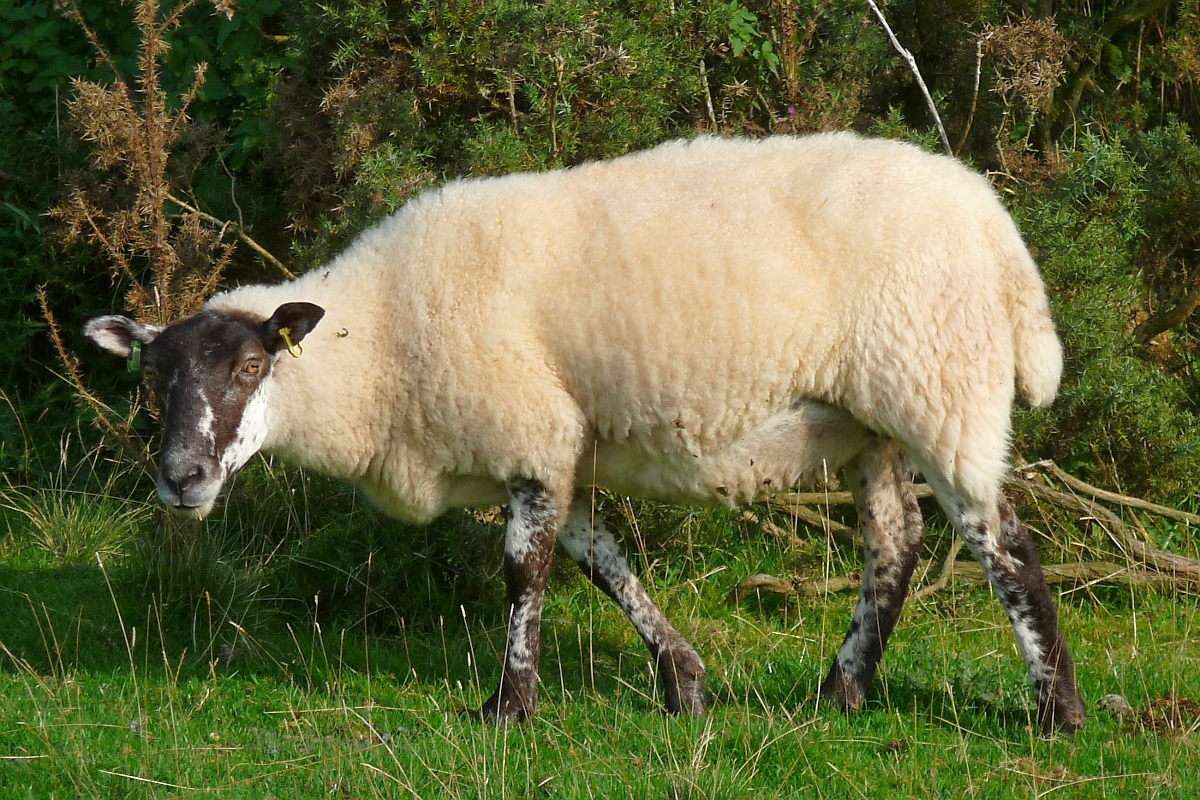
(705, 320)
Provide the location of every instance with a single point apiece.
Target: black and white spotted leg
(533, 519)
(593, 548)
(1005, 550)
(893, 533)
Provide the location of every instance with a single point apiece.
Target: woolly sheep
(709, 320)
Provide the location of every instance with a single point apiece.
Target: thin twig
(1118, 532)
(841, 534)
(237, 229)
(944, 577)
(1112, 497)
(974, 96)
(912, 65)
(712, 115)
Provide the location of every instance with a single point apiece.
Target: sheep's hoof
(682, 674)
(842, 690)
(684, 693)
(1063, 711)
(502, 710)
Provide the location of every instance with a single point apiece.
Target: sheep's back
(685, 294)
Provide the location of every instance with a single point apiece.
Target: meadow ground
(111, 685)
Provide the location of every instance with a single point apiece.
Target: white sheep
(709, 320)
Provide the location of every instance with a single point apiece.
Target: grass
(111, 688)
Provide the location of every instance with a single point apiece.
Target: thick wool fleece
(662, 321)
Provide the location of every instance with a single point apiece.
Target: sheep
(706, 321)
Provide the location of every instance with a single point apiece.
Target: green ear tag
(134, 362)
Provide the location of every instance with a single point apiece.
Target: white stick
(912, 65)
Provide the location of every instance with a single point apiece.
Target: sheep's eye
(252, 367)
(148, 374)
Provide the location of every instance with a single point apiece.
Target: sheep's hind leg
(533, 518)
(893, 532)
(593, 548)
(1005, 550)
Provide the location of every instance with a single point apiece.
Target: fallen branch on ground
(1103, 494)
(842, 534)
(1133, 547)
(964, 572)
(1146, 565)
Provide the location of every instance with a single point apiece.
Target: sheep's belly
(799, 446)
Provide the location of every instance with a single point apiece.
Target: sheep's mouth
(196, 502)
(191, 512)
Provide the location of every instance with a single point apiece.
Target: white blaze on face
(252, 430)
(204, 426)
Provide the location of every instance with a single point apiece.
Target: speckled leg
(585, 539)
(893, 533)
(1005, 550)
(533, 516)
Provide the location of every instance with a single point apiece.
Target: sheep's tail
(1036, 348)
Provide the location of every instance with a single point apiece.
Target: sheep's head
(213, 377)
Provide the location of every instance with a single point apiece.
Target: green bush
(1119, 419)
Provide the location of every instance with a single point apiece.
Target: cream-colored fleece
(706, 320)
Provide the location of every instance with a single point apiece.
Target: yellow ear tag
(293, 347)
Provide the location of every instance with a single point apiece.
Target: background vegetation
(153, 153)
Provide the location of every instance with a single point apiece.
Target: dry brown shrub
(122, 203)
(1028, 57)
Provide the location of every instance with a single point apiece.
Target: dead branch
(789, 499)
(1103, 494)
(832, 498)
(841, 534)
(1134, 548)
(236, 229)
(107, 420)
(1086, 573)
(787, 537)
(1167, 570)
(912, 65)
(1165, 320)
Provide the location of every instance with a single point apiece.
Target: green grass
(109, 690)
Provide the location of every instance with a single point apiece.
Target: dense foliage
(314, 119)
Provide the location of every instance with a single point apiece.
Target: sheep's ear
(116, 334)
(296, 319)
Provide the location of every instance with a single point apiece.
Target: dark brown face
(212, 374)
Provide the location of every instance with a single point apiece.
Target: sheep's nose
(194, 475)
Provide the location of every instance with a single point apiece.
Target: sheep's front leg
(893, 532)
(593, 548)
(533, 517)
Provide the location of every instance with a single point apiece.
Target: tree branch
(236, 229)
(1103, 494)
(1135, 11)
(1165, 320)
(912, 65)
